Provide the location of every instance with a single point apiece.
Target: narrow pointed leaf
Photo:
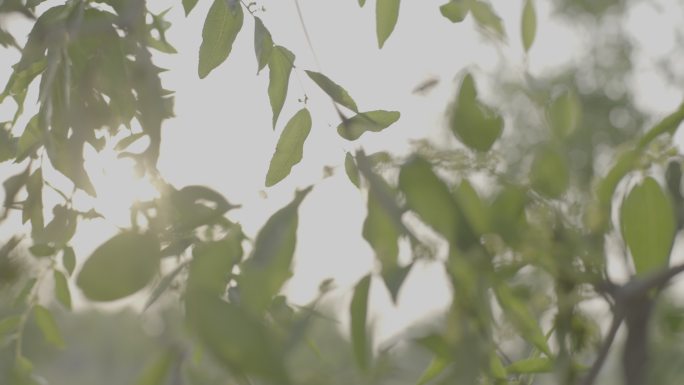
(529, 24)
(220, 30)
(436, 367)
(381, 233)
(120, 267)
(263, 44)
(189, 5)
(351, 170)
(648, 226)
(386, 16)
(337, 93)
(290, 147)
(373, 121)
(280, 66)
(62, 292)
(359, 330)
(47, 325)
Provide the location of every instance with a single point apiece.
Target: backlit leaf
(373, 121)
(351, 170)
(529, 24)
(290, 147)
(359, 330)
(455, 10)
(62, 292)
(47, 325)
(120, 267)
(437, 366)
(69, 259)
(549, 174)
(280, 66)
(648, 226)
(564, 114)
(386, 16)
(474, 124)
(220, 30)
(263, 44)
(337, 93)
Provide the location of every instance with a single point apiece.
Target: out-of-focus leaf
(437, 366)
(220, 30)
(373, 121)
(12, 186)
(528, 24)
(268, 268)
(486, 17)
(62, 292)
(381, 233)
(531, 365)
(351, 170)
(263, 44)
(473, 123)
(33, 205)
(188, 6)
(69, 259)
(280, 64)
(337, 93)
(564, 113)
(290, 147)
(359, 330)
(157, 371)
(386, 16)
(120, 267)
(394, 277)
(507, 213)
(8, 144)
(549, 174)
(212, 263)
(362, 3)
(127, 141)
(522, 319)
(455, 10)
(163, 285)
(42, 250)
(474, 209)
(61, 228)
(47, 325)
(648, 226)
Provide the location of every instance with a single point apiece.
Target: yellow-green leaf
(373, 121)
(359, 330)
(474, 124)
(221, 27)
(69, 259)
(455, 10)
(188, 6)
(351, 170)
(280, 66)
(263, 44)
(120, 267)
(529, 24)
(486, 17)
(337, 93)
(564, 113)
(549, 174)
(386, 16)
(47, 325)
(62, 289)
(648, 226)
(290, 147)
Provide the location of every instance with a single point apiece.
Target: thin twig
(603, 352)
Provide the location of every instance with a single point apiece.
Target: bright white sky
(222, 135)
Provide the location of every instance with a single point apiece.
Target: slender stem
(603, 352)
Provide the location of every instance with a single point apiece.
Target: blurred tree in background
(528, 200)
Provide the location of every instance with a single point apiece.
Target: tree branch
(603, 352)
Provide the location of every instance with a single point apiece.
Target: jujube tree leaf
(290, 147)
(220, 30)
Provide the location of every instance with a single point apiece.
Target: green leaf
(474, 124)
(212, 263)
(373, 121)
(362, 3)
(474, 209)
(290, 147)
(337, 93)
(157, 371)
(437, 366)
(529, 24)
(42, 250)
(120, 267)
(8, 144)
(486, 17)
(351, 170)
(648, 226)
(531, 365)
(33, 205)
(47, 325)
(9, 325)
(62, 289)
(280, 66)
(386, 16)
(381, 233)
(359, 331)
(522, 319)
(549, 174)
(220, 30)
(429, 197)
(163, 285)
(564, 114)
(127, 141)
(69, 259)
(188, 6)
(263, 44)
(268, 268)
(455, 10)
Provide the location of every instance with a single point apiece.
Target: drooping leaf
(62, 292)
(531, 365)
(381, 233)
(362, 3)
(268, 268)
(394, 277)
(188, 6)
(47, 325)
(455, 10)
(220, 30)
(263, 44)
(351, 170)
(8, 144)
(486, 17)
(549, 174)
(474, 124)
(359, 330)
(373, 121)
(436, 367)
(528, 24)
(69, 259)
(280, 66)
(564, 113)
(386, 16)
(648, 226)
(429, 197)
(33, 205)
(120, 267)
(290, 147)
(337, 93)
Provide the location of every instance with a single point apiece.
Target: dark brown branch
(603, 352)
